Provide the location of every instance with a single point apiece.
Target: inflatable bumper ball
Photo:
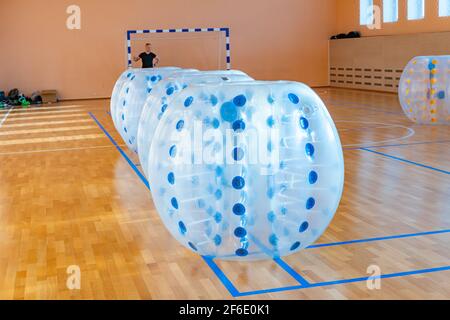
(246, 171)
(424, 90)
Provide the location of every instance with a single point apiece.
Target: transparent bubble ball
(246, 171)
(424, 90)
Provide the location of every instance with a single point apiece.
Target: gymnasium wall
(348, 19)
(270, 39)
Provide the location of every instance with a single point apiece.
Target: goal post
(199, 48)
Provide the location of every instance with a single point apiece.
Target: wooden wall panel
(376, 63)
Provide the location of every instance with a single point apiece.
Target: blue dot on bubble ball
(238, 183)
(431, 66)
(304, 226)
(295, 246)
(174, 203)
(239, 126)
(182, 227)
(229, 112)
(294, 98)
(214, 100)
(310, 203)
(180, 125)
(216, 123)
(270, 193)
(239, 209)
(170, 91)
(304, 123)
(441, 95)
(270, 121)
(154, 78)
(164, 108)
(218, 194)
(188, 101)
(309, 148)
(313, 176)
(273, 240)
(240, 232)
(271, 216)
(219, 171)
(238, 154)
(171, 178)
(240, 100)
(218, 217)
(173, 151)
(192, 246)
(217, 240)
(241, 252)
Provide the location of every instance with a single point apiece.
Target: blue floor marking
(222, 277)
(135, 169)
(400, 236)
(344, 281)
(406, 161)
(304, 284)
(294, 274)
(215, 268)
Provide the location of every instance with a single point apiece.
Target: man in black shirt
(149, 59)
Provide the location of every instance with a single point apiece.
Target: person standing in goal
(149, 59)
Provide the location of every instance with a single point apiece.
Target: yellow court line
(33, 124)
(34, 131)
(51, 117)
(16, 115)
(51, 139)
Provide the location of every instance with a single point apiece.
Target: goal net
(197, 50)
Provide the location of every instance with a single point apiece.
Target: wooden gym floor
(69, 195)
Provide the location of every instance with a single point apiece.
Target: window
(390, 10)
(444, 8)
(366, 12)
(416, 9)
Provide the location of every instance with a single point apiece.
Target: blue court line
(135, 169)
(406, 161)
(400, 236)
(215, 268)
(222, 277)
(294, 274)
(398, 145)
(344, 281)
(304, 283)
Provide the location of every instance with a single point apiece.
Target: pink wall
(271, 39)
(348, 19)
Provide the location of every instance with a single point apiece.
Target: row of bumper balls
(239, 169)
